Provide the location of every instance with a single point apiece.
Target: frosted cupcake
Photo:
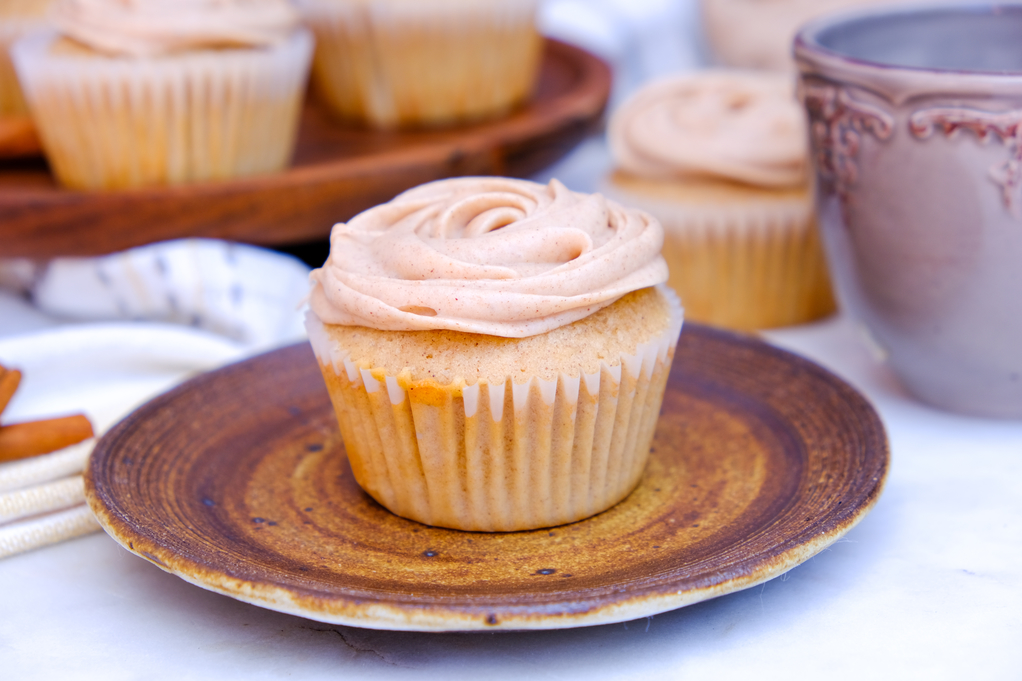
(17, 17)
(496, 351)
(128, 93)
(721, 159)
(423, 62)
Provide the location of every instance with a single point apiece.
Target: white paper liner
(394, 62)
(109, 122)
(501, 457)
(745, 264)
(12, 102)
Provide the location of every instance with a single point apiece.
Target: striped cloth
(102, 335)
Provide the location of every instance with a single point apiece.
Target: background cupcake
(721, 159)
(17, 17)
(423, 62)
(496, 351)
(149, 92)
(757, 34)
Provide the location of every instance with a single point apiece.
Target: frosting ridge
(487, 255)
(153, 27)
(735, 125)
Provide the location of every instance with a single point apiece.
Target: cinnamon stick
(22, 440)
(9, 380)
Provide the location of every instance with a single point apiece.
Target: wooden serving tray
(338, 171)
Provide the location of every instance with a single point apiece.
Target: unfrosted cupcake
(496, 351)
(721, 159)
(17, 17)
(128, 93)
(423, 62)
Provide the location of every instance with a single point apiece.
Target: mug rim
(806, 45)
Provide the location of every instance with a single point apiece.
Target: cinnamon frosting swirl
(153, 27)
(494, 256)
(739, 126)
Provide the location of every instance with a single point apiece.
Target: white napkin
(103, 335)
(242, 292)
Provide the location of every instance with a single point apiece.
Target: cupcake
(153, 92)
(393, 63)
(496, 351)
(17, 17)
(758, 34)
(721, 160)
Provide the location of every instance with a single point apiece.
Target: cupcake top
(486, 255)
(740, 126)
(154, 27)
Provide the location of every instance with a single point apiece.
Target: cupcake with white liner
(392, 63)
(496, 351)
(721, 159)
(128, 93)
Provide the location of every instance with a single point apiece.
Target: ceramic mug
(916, 132)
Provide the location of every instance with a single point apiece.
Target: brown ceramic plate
(237, 482)
(338, 171)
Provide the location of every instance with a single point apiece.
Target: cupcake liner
(110, 122)
(499, 456)
(742, 264)
(398, 63)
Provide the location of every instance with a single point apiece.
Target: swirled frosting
(152, 27)
(736, 125)
(494, 256)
